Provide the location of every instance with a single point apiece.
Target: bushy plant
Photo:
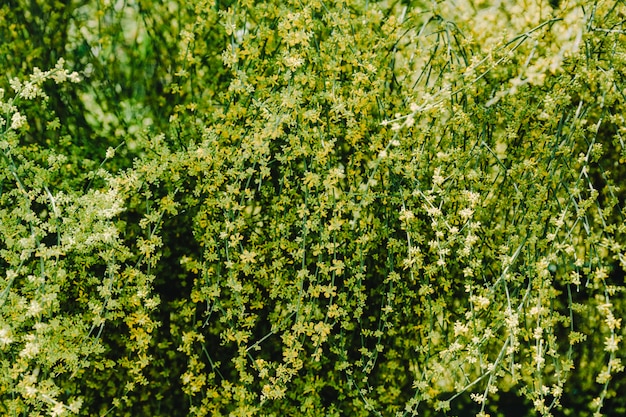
(312, 208)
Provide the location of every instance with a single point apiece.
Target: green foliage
(312, 208)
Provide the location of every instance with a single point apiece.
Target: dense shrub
(312, 208)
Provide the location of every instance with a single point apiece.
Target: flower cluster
(317, 208)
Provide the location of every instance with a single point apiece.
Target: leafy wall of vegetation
(312, 208)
